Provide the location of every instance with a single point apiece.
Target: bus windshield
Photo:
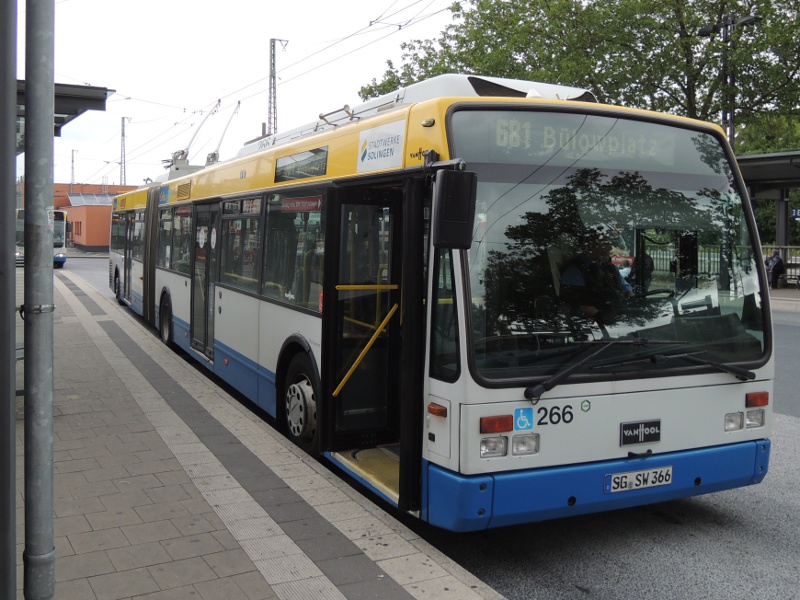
(591, 229)
(56, 220)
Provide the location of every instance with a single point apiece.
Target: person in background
(595, 284)
(625, 268)
(775, 268)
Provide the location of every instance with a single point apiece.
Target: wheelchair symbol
(523, 418)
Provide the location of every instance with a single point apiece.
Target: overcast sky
(171, 60)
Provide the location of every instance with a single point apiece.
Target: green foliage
(640, 53)
(770, 132)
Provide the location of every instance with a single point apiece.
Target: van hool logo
(640, 432)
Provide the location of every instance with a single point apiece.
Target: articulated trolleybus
(490, 301)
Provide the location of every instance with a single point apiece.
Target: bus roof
(436, 87)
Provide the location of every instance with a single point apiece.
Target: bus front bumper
(473, 503)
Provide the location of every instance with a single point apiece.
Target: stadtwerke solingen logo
(381, 147)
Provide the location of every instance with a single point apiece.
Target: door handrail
(363, 353)
(372, 287)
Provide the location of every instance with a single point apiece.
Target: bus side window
(165, 238)
(182, 238)
(294, 249)
(280, 254)
(240, 239)
(444, 330)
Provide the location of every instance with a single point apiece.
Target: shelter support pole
(782, 219)
(39, 553)
(8, 120)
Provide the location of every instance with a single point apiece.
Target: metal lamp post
(726, 26)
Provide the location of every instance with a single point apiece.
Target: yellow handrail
(361, 356)
(360, 287)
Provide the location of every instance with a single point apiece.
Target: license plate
(637, 480)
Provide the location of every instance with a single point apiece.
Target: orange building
(88, 209)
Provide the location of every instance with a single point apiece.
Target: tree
(640, 53)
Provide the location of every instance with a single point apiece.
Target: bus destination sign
(585, 140)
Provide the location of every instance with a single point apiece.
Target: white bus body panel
(249, 334)
(179, 288)
(576, 427)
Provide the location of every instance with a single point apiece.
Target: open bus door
(360, 425)
(127, 253)
(204, 279)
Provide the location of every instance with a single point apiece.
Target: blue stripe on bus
(246, 375)
(472, 503)
(137, 303)
(180, 333)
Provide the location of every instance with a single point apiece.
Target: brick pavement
(166, 488)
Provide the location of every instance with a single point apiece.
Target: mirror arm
(433, 164)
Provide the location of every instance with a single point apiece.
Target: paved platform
(167, 488)
(785, 299)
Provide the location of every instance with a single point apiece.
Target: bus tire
(299, 400)
(165, 322)
(118, 289)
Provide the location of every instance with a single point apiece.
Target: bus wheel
(165, 322)
(118, 288)
(300, 404)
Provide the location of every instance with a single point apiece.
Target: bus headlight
(755, 418)
(522, 445)
(493, 447)
(734, 421)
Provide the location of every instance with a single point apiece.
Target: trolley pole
(39, 553)
(8, 422)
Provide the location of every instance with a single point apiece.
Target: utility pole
(122, 154)
(72, 179)
(272, 118)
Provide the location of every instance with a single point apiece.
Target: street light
(726, 26)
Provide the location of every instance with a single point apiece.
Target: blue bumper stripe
(472, 503)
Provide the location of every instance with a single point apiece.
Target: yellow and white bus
(405, 287)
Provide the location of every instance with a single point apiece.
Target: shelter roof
(775, 171)
(90, 199)
(71, 101)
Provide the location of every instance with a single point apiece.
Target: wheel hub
(301, 409)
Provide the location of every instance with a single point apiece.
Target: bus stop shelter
(772, 177)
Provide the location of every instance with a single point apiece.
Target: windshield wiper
(535, 392)
(739, 372)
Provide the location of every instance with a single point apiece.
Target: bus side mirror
(454, 197)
